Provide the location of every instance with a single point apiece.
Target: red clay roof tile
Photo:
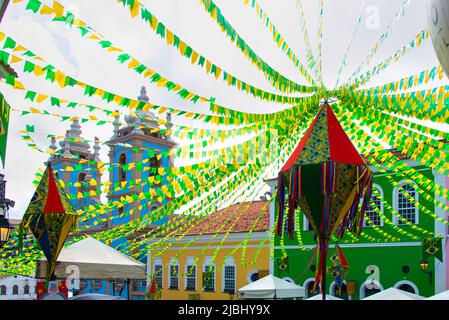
(222, 220)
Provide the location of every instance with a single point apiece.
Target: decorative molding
(232, 237)
(156, 141)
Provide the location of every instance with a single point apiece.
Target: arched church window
(81, 181)
(120, 211)
(155, 163)
(82, 177)
(121, 171)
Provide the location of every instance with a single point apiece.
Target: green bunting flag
(231, 161)
(207, 280)
(4, 123)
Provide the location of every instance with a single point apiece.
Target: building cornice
(67, 159)
(232, 237)
(164, 143)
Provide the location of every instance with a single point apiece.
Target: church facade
(136, 152)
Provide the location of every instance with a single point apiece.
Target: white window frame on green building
(396, 191)
(381, 207)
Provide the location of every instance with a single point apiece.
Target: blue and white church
(132, 142)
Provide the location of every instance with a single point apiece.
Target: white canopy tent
(96, 261)
(271, 287)
(320, 297)
(394, 294)
(440, 296)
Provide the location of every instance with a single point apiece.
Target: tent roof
(271, 287)
(320, 297)
(394, 294)
(96, 261)
(324, 141)
(440, 296)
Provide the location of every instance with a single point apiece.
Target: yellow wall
(242, 271)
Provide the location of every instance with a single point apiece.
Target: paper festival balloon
(438, 20)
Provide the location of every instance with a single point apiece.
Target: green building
(388, 254)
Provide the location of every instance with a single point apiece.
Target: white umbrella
(320, 297)
(440, 296)
(271, 287)
(394, 294)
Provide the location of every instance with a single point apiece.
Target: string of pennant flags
(196, 58)
(393, 163)
(172, 39)
(279, 39)
(379, 164)
(422, 208)
(320, 39)
(229, 161)
(52, 74)
(64, 80)
(282, 82)
(387, 31)
(410, 82)
(416, 42)
(349, 45)
(311, 62)
(204, 247)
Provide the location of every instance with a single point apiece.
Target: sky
(81, 58)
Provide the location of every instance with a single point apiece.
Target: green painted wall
(390, 257)
(389, 260)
